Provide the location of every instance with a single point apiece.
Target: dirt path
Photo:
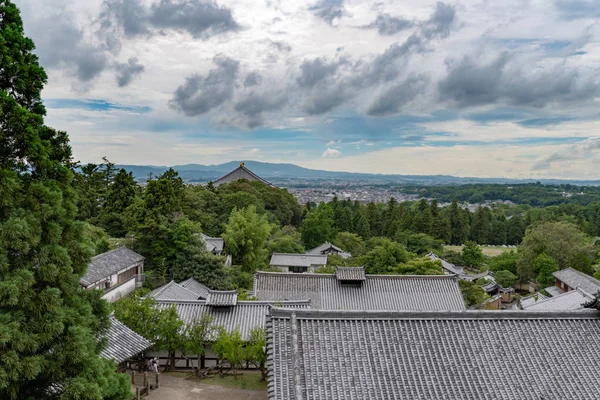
(179, 388)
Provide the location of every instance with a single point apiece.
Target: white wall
(123, 290)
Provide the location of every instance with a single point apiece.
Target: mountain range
(288, 173)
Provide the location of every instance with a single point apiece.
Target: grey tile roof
(554, 291)
(194, 286)
(221, 298)
(106, 264)
(378, 292)
(576, 279)
(245, 315)
(572, 300)
(350, 274)
(213, 244)
(240, 172)
(298, 260)
(497, 355)
(448, 267)
(327, 248)
(532, 299)
(173, 291)
(123, 343)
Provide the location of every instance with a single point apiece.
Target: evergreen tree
(374, 219)
(49, 325)
(361, 225)
(458, 226)
(317, 227)
(515, 230)
(481, 225)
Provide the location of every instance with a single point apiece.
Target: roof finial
(241, 163)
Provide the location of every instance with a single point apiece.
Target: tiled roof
(325, 247)
(213, 244)
(432, 355)
(554, 291)
(378, 292)
(576, 279)
(245, 315)
(532, 299)
(298, 260)
(173, 291)
(123, 343)
(449, 267)
(240, 172)
(221, 298)
(111, 262)
(350, 274)
(572, 300)
(198, 288)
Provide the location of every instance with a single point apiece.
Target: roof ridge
(377, 276)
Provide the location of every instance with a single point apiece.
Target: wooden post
(145, 378)
(156, 383)
(137, 393)
(147, 388)
(133, 377)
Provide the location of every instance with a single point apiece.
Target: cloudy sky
(483, 88)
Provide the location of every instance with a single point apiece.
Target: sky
(477, 88)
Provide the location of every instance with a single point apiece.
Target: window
(298, 270)
(125, 276)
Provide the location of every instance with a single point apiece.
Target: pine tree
(49, 325)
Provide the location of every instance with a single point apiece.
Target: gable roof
(571, 300)
(197, 287)
(532, 299)
(245, 315)
(448, 267)
(432, 355)
(378, 292)
(240, 172)
(111, 262)
(350, 274)
(321, 249)
(212, 243)
(577, 279)
(123, 343)
(221, 298)
(298, 260)
(173, 291)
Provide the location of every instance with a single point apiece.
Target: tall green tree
(317, 227)
(472, 254)
(49, 325)
(458, 225)
(246, 236)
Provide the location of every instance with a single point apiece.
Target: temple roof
(111, 262)
(123, 343)
(577, 279)
(240, 172)
(298, 260)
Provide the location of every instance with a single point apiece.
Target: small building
(351, 289)
(572, 300)
(298, 263)
(570, 279)
(117, 273)
(329, 249)
(123, 343)
(176, 291)
(227, 312)
(337, 354)
(212, 244)
(240, 172)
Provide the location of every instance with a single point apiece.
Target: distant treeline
(533, 194)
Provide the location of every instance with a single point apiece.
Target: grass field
(491, 251)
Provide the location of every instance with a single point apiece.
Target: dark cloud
(512, 81)
(325, 99)
(315, 71)
(127, 71)
(199, 94)
(281, 46)
(388, 25)
(201, 19)
(578, 9)
(255, 104)
(329, 10)
(252, 79)
(440, 23)
(60, 44)
(400, 94)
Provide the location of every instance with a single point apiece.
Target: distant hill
(282, 173)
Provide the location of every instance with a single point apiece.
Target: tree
(506, 278)
(229, 347)
(458, 226)
(472, 255)
(193, 261)
(285, 242)
(256, 352)
(544, 266)
(562, 241)
(350, 242)
(49, 325)
(385, 258)
(197, 336)
(245, 236)
(505, 261)
(361, 225)
(317, 227)
(473, 294)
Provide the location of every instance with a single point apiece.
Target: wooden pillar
(202, 361)
(133, 377)
(145, 378)
(137, 393)
(156, 379)
(147, 388)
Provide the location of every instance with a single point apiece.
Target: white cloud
(331, 153)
